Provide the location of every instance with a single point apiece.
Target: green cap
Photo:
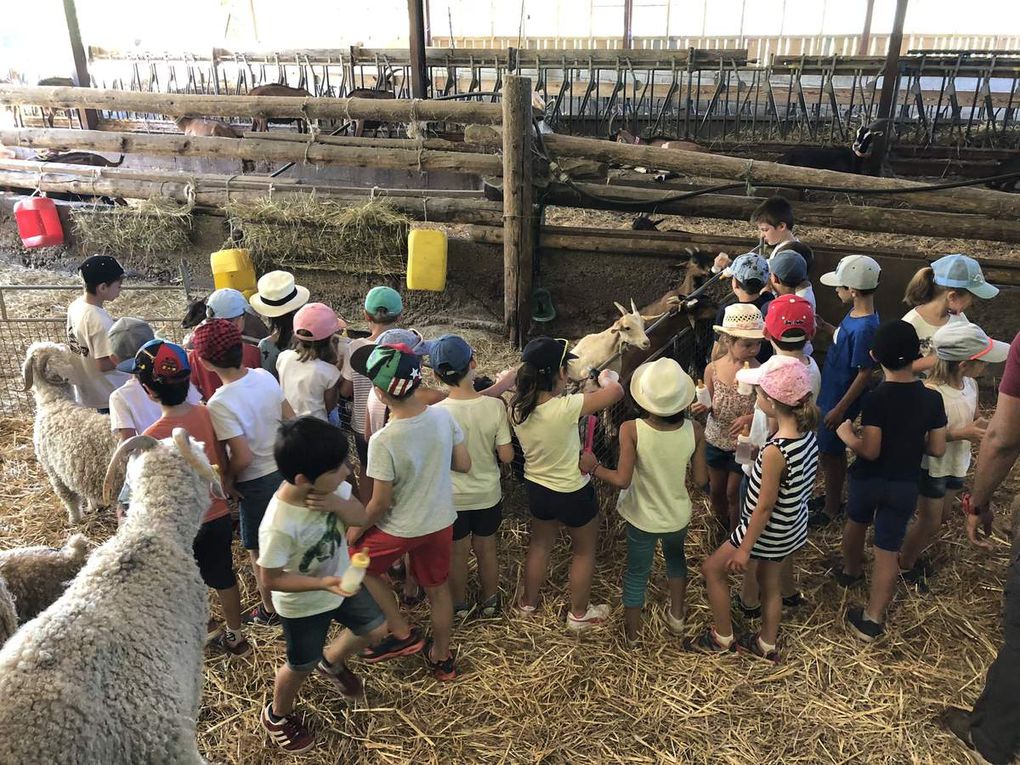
(383, 301)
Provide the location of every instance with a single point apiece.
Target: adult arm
(999, 450)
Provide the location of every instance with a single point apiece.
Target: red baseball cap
(213, 338)
(790, 317)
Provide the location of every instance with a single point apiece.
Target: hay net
(151, 227)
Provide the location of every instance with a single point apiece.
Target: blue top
(849, 353)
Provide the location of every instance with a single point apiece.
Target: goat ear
(623, 311)
(614, 330)
(126, 449)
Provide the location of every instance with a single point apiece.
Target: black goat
(842, 159)
(1011, 185)
(643, 222)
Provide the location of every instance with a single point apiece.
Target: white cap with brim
(857, 272)
(965, 341)
(662, 388)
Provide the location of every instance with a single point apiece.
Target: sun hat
(401, 336)
(742, 320)
(857, 272)
(100, 269)
(383, 301)
(789, 317)
(159, 361)
(662, 387)
(896, 344)
(788, 267)
(127, 335)
(448, 351)
(547, 354)
(750, 266)
(213, 338)
(395, 369)
(963, 273)
(783, 378)
(278, 294)
(964, 341)
(226, 303)
(317, 321)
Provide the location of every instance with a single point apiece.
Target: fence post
(518, 237)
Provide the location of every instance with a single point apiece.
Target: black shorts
(213, 553)
(573, 509)
(481, 523)
(306, 635)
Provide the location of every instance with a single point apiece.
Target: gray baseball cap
(127, 335)
(964, 341)
(857, 272)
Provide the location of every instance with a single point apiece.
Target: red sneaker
(290, 734)
(347, 682)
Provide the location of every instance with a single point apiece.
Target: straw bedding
(531, 693)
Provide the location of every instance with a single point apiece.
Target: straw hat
(662, 387)
(742, 320)
(278, 294)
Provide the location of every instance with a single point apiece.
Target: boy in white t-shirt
(303, 557)
(88, 323)
(477, 496)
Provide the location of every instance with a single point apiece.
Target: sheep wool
(73, 444)
(8, 617)
(102, 675)
(37, 576)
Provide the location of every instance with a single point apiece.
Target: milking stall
(582, 170)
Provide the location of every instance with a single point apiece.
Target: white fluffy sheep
(111, 673)
(73, 444)
(37, 576)
(8, 617)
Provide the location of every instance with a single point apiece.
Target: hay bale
(151, 227)
(322, 235)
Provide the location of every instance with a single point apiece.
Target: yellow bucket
(426, 260)
(233, 268)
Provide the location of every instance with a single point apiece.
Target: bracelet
(970, 508)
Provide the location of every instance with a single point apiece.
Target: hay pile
(309, 233)
(151, 227)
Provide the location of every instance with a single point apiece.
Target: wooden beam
(182, 104)
(518, 234)
(419, 72)
(890, 87)
(862, 49)
(437, 144)
(89, 118)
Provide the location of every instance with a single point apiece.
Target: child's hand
(698, 408)
(740, 424)
(834, 418)
(507, 376)
(846, 430)
(738, 561)
(354, 534)
(331, 584)
(588, 462)
(608, 377)
(323, 503)
(721, 261)
(976, 430)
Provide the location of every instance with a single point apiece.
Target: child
(87, 328)
(308, 373)
(939, 294)
(731, 413)
(163, 373)
(303, 556)
(223, 305)
(559, 494)
(655, 453)
(847, 371)
(789, 276)
(411, 510)
(477, 495)
(246, 410)
(750, 275)
(901, 421)
(773, 521)
(383, 307)
(773, 219)
(963, 351)
(278, 299)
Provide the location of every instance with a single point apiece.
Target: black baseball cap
(547, 354)
(896, 344)
(100, 269)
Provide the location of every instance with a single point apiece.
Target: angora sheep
(108, 674)
(73, 444)
(37, 576)
(8, 618)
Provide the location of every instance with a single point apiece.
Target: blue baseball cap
(159, 361)
(226, 303)
(963, 273)
(789, 267)
(450, 351)
(750, 266)
(384, 301)
(399, 336)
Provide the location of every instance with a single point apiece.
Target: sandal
(708, 642)
(752, 644)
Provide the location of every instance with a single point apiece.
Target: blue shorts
(828, 441)
(937, 488)
(256, 495)
(720, 459)
(306, 635)
(887, 504)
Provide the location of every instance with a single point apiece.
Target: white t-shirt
(306, 542)
(86, 328)
(926, 330)
(485, 427)
(808, 293)
(961, 407)
(362, 385)
(552, 443)
(305, 383)
(415, 454)
(250, 407)
(131, 407)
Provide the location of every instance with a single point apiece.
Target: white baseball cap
(964, 341)
(857, 272)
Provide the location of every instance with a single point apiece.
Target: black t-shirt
(905, 412)
(762, 301)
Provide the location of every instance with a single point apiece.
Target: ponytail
(530, 382)
(922, 288)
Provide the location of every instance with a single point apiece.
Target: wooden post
(862, 49)
(518, 242)
(89, 118)
(419, 71)
(628, 24)
(890, 82)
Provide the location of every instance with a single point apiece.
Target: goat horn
(28, 371)
(125, 450)
(183, 443)
(633, 308)
(620, 308)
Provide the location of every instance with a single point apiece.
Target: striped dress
(786, 531)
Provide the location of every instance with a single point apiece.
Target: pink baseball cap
(317, 321)
(783, 378)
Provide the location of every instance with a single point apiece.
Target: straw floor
(530, 693)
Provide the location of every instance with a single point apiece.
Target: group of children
(427, 493)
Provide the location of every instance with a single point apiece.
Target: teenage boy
(87, 329)
(847, 372)
(303, 556)
(902, 420)
(231, 306)
(411, 510)
(246, 411)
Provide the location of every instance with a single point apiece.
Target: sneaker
(925, 566)
(752, 644)
(819, 520)
(260, 617)
(346, 682)
(524, 609)
(864, 628)
(462, 611)
(749, 612)
(392, 647)
(213, 629)
(444, 670)
(674, 625)
(236, 649)
(594, 616)
(410, 601)
(797, 600)
(916, 577)
(707, 642)
(288, 733)
(843, 579)
(491, 608)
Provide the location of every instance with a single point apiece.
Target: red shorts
(430, 554)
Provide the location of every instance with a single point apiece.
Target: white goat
(594, 350)
(100, 676)
(73, 444)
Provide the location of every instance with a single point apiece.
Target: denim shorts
(256, 495)
(937, 488)
(721, 459)
(306, 635)
(887, 504)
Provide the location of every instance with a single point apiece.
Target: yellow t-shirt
(657, 501)
(485, 427)
(552, 443)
